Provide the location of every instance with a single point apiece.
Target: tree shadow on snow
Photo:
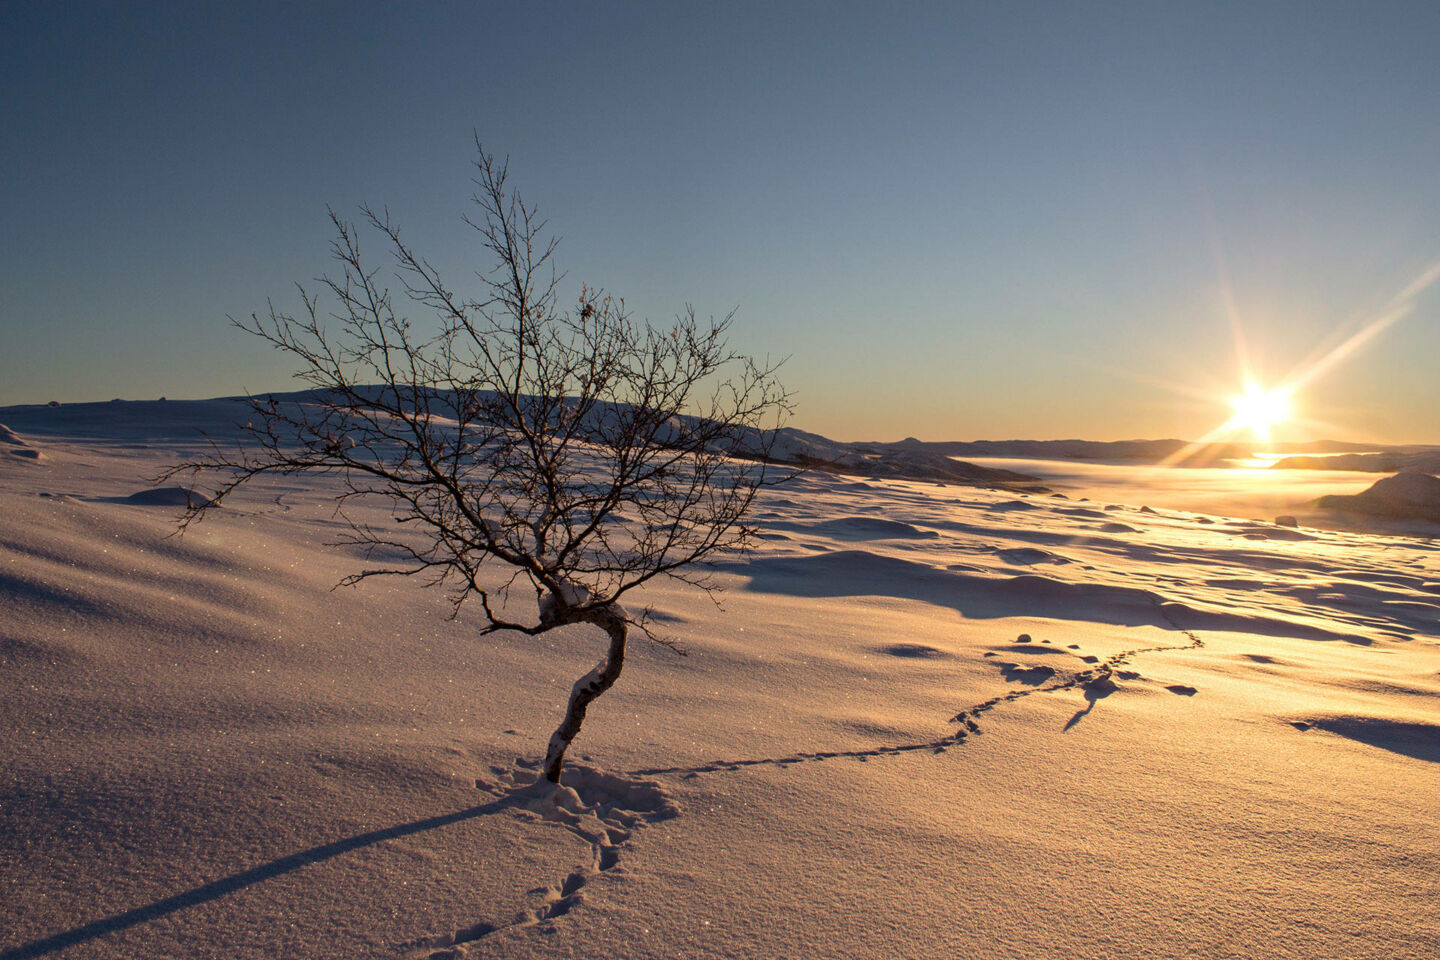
(245, 878)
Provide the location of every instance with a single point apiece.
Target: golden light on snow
(1259, 409)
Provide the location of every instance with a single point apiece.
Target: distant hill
(1145, 451)
(223, 419)
(815, 452)
(1426, 461)
(1405, 496)
(1050, 449)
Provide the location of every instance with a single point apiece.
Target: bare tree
(583, 453)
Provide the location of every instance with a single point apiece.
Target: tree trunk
(586, 689)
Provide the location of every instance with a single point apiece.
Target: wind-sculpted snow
(1414, 739)
(1096, 682)
(857, 528)
(17, 447)
(929, 721)
(859, 573)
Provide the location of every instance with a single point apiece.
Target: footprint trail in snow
(605, 809)
(600, 808)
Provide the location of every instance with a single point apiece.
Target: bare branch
(577, 450)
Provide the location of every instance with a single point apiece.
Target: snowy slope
(929, 722)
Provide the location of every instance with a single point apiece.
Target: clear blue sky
(961, 220)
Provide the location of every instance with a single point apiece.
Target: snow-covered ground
(1218, 738)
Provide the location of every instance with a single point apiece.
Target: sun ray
(1342, 346)
(1347, 347)
(1167, 384)
(1258, 408)
(1227, 296)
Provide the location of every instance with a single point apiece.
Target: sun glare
(1258, 409)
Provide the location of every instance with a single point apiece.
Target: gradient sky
(960, 220)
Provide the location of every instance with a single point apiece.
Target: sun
(1259, 409)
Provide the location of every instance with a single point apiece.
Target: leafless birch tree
(579, 451)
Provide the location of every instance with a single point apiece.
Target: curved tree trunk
(586, 689)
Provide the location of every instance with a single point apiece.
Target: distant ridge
(1058, 449)
(1427, 460)
(222, 419)
(1152, 451)
(1405, 496)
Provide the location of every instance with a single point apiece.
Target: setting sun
(1258, 409)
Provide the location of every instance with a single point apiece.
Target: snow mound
(167, 497)
(871, 528)
(1261, 531)
(18, 448)
(1116, 527)
(912, 651)
(1027, 556)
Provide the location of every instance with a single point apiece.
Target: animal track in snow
(1097, 681)
(606, 808)
(600, 808)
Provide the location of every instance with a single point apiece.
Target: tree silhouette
(580, 451)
